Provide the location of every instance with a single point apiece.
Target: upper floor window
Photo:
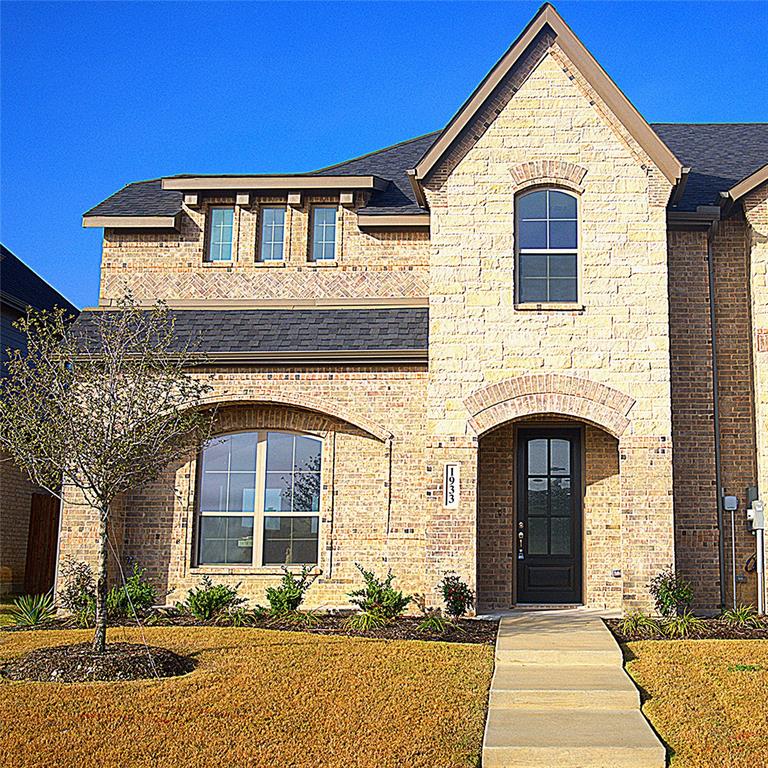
(547, 246)
(259, 499)
(272, 234)
(220, 225)
(323, 233)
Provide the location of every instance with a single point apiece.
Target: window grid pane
(230, 500)
(547, 240)
(272, 234)
(323, 234)
(221, 223)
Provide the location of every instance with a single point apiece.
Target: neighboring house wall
(172, 266)
(15, 501)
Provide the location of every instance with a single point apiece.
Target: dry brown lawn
(708, 699)
(257, 698)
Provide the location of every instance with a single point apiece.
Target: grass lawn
(5, 611)
(257, 698)
(708, 699)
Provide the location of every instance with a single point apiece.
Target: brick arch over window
(547, 172)
(523, 396)
(324, 411)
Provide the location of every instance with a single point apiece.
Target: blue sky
(95, 95)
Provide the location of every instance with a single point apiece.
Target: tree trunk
(100, 635)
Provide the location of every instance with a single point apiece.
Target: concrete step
(570, 739)
(569, 657)
(533, 686)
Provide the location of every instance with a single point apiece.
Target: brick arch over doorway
(571, 396)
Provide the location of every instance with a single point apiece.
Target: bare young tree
(102, 405)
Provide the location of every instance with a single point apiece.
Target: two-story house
(530, 348)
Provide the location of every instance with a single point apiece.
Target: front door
(549, 496)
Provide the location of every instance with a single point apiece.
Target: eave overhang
(611, 94)
(133, 222)
(747, 184)
(256, 183)
(393, 221)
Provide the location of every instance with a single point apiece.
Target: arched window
(258, 499)
(547, 238)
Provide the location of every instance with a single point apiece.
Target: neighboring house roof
(21, 287)
(297, 335)
(719, 155)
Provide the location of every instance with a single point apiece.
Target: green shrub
(209, 600)
(135, 597)
(434, 623)
(639, 623)
(682, 626)
(289, 594)
(78, 591)
(458, 597)
(378, 596)
(33, 610)
(742, 616)
(366, 621)
(672, 593)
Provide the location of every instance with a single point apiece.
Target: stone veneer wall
(372, 487)
(172, 266)
(496, 527)
(617, 335)
(756, 212)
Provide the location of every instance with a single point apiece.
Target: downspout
(716, 412)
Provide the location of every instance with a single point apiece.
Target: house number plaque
(451, 486)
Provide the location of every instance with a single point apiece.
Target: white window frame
(272, 243)
(259, 513)
(324, 242)
(547, 251)
(209, 245)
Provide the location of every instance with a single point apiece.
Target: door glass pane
(561, 536)
(537, 457)
(537, 536)
(560, 496)
(560, 457)
(537, 496)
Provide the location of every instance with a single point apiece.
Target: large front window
(547, 247)
(259, 499)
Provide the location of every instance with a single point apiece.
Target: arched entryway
(549, 513)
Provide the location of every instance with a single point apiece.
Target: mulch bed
(80, 664)
(712, 629)
(480, 631)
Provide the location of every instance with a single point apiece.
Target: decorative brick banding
(557, 172)
(571, 396)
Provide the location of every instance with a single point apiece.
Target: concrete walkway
(560, 697)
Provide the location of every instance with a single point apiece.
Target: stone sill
(247, 570)
(269, 264)
(565, 306)
(325, 263)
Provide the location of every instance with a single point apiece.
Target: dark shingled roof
(22, 287)
(719, 156)
(390, 163)
(304, 331)
(141, 198)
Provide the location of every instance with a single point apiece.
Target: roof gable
(548, 21)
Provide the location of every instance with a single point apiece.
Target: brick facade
(629, 362)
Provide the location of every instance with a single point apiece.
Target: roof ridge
(755, 122)
(375, 152)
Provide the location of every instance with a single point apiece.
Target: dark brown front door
(41, 544)
(549, 548)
